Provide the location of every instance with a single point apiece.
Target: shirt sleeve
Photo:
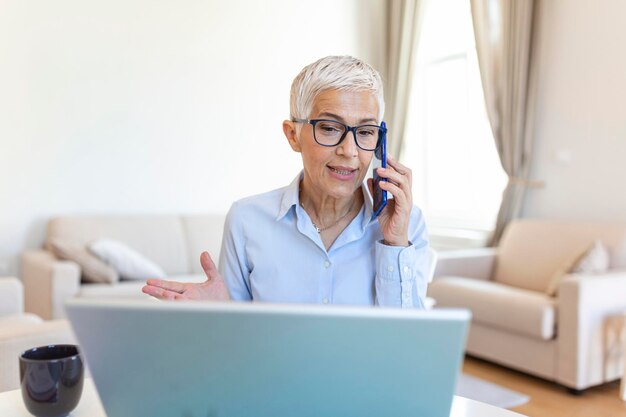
(402, 273)
(233, 263)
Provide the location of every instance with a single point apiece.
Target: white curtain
(403, 26)
(504, 31)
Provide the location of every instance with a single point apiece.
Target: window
(458, 180)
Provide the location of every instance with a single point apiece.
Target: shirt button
(407, 269)
(326, 264)
(390, 268)
(325, 300)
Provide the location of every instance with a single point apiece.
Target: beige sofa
(172, 242)
(20, 331)
(516, 323)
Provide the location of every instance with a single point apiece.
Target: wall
(580, 146)
(150, 106)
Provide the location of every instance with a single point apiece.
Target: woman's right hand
(211, 289)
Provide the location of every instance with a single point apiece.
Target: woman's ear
(289, 129)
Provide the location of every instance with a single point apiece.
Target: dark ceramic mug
(51, 378)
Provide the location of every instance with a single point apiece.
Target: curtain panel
(504, 31)
(403, 28)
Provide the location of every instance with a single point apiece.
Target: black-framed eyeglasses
(332, 133)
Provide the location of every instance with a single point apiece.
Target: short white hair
(333, 73)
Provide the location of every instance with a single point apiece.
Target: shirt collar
(291, 198)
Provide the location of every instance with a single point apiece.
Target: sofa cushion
(532, 251)
(129, 289)
(204, 233)
(129, 263)
(508, 308)
(160, 238)
(92, 268)
(20, 319)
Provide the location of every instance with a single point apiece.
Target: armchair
(517, 322)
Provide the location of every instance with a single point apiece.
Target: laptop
(193, 359)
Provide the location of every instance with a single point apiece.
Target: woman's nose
(348, 145)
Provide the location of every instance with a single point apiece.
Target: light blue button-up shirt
(272, 253)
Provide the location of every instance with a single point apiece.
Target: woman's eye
(366, 132)
(330, 129)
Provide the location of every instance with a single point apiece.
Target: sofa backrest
(173, 242)
(203, 233)
(532, 251)
(160, 238)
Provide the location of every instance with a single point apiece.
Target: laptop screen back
(151, 358)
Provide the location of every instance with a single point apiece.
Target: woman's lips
(342, 173)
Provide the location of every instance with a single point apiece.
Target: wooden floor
(548, 399)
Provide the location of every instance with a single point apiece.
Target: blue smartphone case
(380, 196)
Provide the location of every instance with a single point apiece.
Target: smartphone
(380, 161)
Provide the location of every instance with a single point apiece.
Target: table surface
(11, 405)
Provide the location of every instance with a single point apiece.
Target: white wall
(580, 146)
(148, 106)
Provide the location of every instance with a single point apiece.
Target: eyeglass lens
(330, 133)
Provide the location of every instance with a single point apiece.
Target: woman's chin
(341, 190)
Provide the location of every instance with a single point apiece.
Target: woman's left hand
(394, 219)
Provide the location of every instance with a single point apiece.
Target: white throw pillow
(594, 261)
(618, 256)
(129, 263)
(93, 269)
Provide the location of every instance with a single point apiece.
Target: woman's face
(336, 171)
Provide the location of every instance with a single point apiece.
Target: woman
(316, 241)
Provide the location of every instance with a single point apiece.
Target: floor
(548, 399)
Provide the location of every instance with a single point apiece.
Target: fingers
(174, 286)
(399, 195)
(161, 293)
(392, 176)
(401, 169)
(208, 266)
(397, 173)
(400, 177)
(396, 184)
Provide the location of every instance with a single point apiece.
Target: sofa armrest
(584, 304)
(47, 282)
(470, 263)
(11, 296)
(21, 335)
